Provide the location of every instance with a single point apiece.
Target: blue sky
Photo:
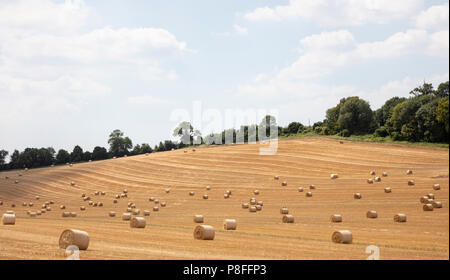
(72, 71)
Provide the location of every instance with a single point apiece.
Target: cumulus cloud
(338, 12)
(47, 56)
(147, 100)
(240, 30)
(435, 17)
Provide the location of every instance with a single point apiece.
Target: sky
(73, 71)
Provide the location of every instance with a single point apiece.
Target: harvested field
(239, 168)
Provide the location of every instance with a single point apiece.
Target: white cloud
(147, 100)
(339, 12)
(42, 16)
(435, 17)
(46, 56)
(240, 30)
(340, 38)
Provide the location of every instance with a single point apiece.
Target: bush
(345, 133)
(381, 132)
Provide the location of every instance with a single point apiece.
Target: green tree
(383, 114)
(99, 153)
(425, 89)
(3, 155)
(442, 112)
(443, 90)
(77, 154)
(187, 134)
(62, 157)
(294, 128)
(119, 145)
(429, 128)
(356, 116)
(87, 156)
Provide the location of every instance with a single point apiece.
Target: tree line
(422, 117)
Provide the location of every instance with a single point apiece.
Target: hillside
(239, 168)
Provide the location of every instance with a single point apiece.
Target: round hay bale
(31, 204)
(38, 212)
(32, 214)
(261, 203)
(112, 214)
(258, 207)
(96, 193)
(436, 187)
(424, 199)
(73, 214)
(342, 237)
(37, 197)
(288, 219)
(256, 192)
(115, 201)
(228, 192)
(65, 214)
(167, 190)
(163, 204)
(284, 211)
(9, 219)
(191, 193)
(136, 212)
(100, 204)
(385, 174)
(62, 207)
(156, 208)
(336, 218)
(25, 204)
(95, 204)
(300, 189)
(377, 179)
(204, 232)
(156, 201)
(16, 181)
(334, 176)
(126, 216)
(82, 208)
(309, 194)
(244, 205)
(43, 211)
(409, 172)
(125, 191)
(198, 218)
(428, 207)
(437, 204)
(129, 209)
(75, 237)
(117, 196)
(225, 195)
(276, 177)
(129, 204)
(400, 218)
(372, 172)
(205, 196)
(138, 222)
(1, 203)
(252, 209)
(284, 183)
(369, 181)
(208, 188)
(430, 195)
(51, 202)
(49, 209)
(387, 190)
(72, 183)
(411, 183)
(229, 224)
(312, 187)
(372, 214)
(252, 201)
